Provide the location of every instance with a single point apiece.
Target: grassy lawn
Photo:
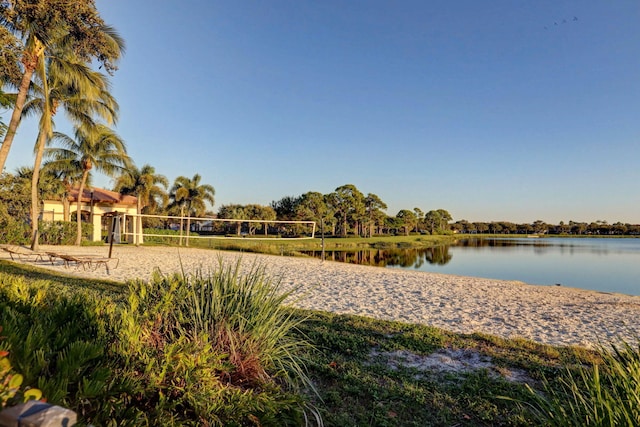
(366, 372)
(372, 372)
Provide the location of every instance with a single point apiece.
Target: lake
(602, 264)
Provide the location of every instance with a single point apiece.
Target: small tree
(191, 196)
(148, 187)
(407, 220)
(94, 146)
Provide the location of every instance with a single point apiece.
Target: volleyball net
(141, 228)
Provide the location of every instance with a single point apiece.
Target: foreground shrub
(11, 382)
(602, 395)
(215, 349)
(54, 341)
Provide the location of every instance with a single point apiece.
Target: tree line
(347, 211)
(344, 212)
(597, 228)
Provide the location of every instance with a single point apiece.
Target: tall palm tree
(145, 185)
(65, 81)
(41, 25)
(189, 194)
(94, 146)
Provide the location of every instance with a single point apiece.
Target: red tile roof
(100, 195)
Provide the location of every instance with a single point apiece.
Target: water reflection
(441, 255)
(611, 265)
(406, 258)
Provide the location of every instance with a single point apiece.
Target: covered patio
(106, 210)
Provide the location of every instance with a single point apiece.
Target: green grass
(64, 284)
(359, 385)
(131, 353)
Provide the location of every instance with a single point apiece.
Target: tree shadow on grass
(103, 288)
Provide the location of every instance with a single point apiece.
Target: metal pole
(322, 232)
(113, 230)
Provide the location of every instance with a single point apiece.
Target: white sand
(546, 314)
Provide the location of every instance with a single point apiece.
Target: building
(106, 210)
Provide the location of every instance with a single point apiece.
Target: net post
(322, 233)
(114, 218)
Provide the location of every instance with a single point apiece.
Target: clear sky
(493, 110)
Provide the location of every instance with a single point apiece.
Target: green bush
(12, 230)
(15, 205)
(606, 395)
(61, 232)
(54, 340)
(173, 236)
(10, 382)
(217, 347)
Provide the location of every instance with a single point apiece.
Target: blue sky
(493, 110)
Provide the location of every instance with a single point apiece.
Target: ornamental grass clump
(606, 394)
(216, 348)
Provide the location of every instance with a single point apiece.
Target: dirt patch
(449, 361)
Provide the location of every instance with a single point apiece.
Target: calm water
(610, 265)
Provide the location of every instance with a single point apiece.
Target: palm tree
(189, 194)
(233, 212)
(39, 26)
(94, 146)
(145, 185)
(83, 93)
(6, 100)
(67, 179)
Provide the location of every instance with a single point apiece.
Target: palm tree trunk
(181, 224)
(30, 60)
(78, 212)
(188, 228)
(139, 222)
(66, 208)
(188, 223)
(140, 231)
(17, 112)
(35, 202)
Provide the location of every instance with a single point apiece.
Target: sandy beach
(546, 314)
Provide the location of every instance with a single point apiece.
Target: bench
(20, 253)
(84, 261)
